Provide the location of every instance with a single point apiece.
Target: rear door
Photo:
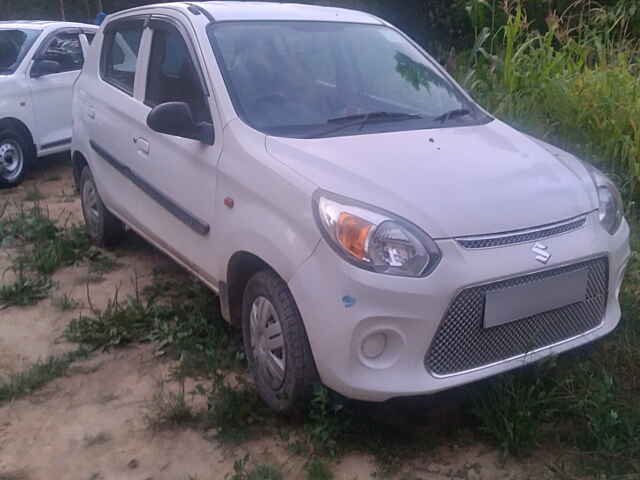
(177, 175)
(110, 105)
(51, 94)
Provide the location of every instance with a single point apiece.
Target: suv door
(110, 105)
(51, 93)
(177, 175)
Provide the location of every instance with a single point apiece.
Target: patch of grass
(513, 409)
(318, 469)
(119, 324)
(28, 224)
(181, 317)
(38, 375)
(242, 471)
(100, 264)
(64, 248)
(170, 410)
(65, 303)
(325, 425)
(26, 289)
(234, 410)
(34, 195)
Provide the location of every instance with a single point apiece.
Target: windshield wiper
(363, 119)
(451, 114)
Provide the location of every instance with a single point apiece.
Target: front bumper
(343, 305)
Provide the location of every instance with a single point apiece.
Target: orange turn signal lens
(352, 233)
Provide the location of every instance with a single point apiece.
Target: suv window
(65, 49)
(120, 55)
(14, 44)
(172, 75)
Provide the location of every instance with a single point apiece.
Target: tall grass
(576, 85)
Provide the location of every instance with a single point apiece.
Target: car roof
(239, 10)
(44, 24)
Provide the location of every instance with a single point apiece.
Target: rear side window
(120, 54)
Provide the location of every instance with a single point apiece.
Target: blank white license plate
(514, 303)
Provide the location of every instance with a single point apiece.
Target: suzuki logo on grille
(542, 255)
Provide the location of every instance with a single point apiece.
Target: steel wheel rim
(267, 342)
(11, 159)
(90, 205)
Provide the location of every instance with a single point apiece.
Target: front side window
(65, 48)
(172, 75)
(120, 55)
(14, 45)
(308, 79)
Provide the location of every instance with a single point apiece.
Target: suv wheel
(104, 228)
(276, 344)
(16, 154)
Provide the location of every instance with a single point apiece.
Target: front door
(177, 175)
(51, 94)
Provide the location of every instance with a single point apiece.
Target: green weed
(170, 410)
(242, 471)
(26, 289)
(513, 410)
(35, 377)
(65, 303)
(64, 248)
(28, 224)
(234, 410)
(100, 264)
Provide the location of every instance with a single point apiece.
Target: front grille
(462, 343)
(492, 241)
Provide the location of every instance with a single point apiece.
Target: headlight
(373, 239)
(611, 207)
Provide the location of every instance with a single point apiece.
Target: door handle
(142, 144)
(91, 113)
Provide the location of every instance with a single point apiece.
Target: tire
(290, 391)
(17, 154)
(104, 228)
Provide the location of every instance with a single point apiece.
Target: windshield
(313, 79)
(14, 45)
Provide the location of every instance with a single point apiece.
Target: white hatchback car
(363, 220)
(39, 62)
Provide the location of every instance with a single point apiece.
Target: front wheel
(276, 344)
(16, 155)
(104, 228)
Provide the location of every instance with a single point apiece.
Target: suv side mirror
(42, 67)
(176, 118)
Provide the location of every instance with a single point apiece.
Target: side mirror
(44, 67)
(176, 118)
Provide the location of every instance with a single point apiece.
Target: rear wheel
(104, 228)
(16, 155)
(276, 344)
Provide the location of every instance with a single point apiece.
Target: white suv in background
(39, 62)
(365, 223)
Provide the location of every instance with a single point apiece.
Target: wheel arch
(78, 162)
(240, 268)
(14, 123)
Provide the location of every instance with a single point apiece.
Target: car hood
(452, 181)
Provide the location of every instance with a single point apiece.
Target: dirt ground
(89, 425)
